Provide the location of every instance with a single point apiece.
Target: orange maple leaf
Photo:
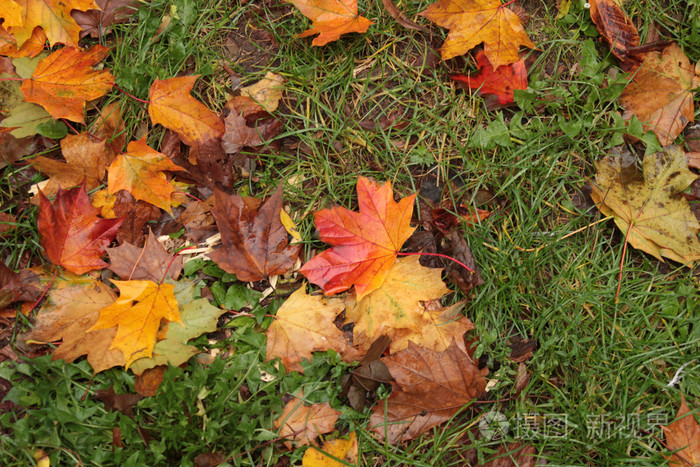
(137, 313)
(71, 233)
(63, 81)
(683, 436)
(472, 22)
(140, 172)
(31, 48)
(172, 106)
(366, 242)
(331, 19)
(53, 16)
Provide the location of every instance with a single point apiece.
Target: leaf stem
(165, 274)
(508, 3)
(438, 255)
(48, 287)
(133, 97)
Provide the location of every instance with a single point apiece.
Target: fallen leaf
(53, 16)
(198, 317)
(65, 80)
(472, 22)
(331, 19)
(10, 290)
(614, 26)
(267, 92)
(69, 314)
(97, 23)
(148, 263)
(254, 240)
(137, 314)
(345, 449)
(463, 278)
(140, 172)
(661, 95)
(136, 214)
(24, 118)
(123, 403)
(110, 127)
(247, 125)
(172, 106)
(366, 243)
(647, 206)
(683, 436)
(400, 18)
(500, 82)
(11, 12)
(31, 48)
(147, 383)
(305, 324)
(430, 388)
(71, 233)
(303, 423)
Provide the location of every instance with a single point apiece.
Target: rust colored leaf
(661, 95)
(614, 26)
(172, 106)
(247, 125)
(366, 242)
(65, 80)
(147, 382)
(472, 22)
(137, 314)
(136, 214)
(123, 403)
(303, 423)
(254, 240)
(53, 16)
(10, 290)
(148, 263)
(97, 23)
(331, 19)
(110, 127)
(683, 436)
(31, 48)
(430, 388)
(305, 324)
(501, 82)
(140, 172)
(464, 279)
(69, 315)
(71, 233)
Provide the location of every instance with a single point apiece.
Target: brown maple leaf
(254, 241)
(661, 95)
(683, 436)
(366, 242)
(148, 263)
(248, 124)
(97, 23)
(331, 19)
(472, 22)
(430, 388)
(303, 423)
(53, 16)
(65, 80)
(71, 233)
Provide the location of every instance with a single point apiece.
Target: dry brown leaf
(148, 263)
(303, 423)
(683, 436)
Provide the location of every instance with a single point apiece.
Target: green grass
(550, 264)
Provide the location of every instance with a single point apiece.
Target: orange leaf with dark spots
(65, 80)
(71, 233)
(331, 19)
(140, 172)
(366, 242)
(501, 81)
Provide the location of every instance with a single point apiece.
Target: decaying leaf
(661, 95)
(123, 403)
(366, 242)
(9, 286)
(430, 388)
(304, 324)
(248, 124)
(472, 22)
(254, 240)
(683, 436)
(331, 19)
(647, 205)
(149, 263)
(97, 23)
(71, 233)
(53, 16)
(303, 423)
(140, 172)
(500, 82)
(137, 314)
(345, 449)
(267, 92)
(65, 80)
(614, 26)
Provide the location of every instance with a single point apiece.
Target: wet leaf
(615, 26)
(500, 82)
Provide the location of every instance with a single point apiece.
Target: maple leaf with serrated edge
(683, 436)
(148, 263)
(140, 172)
(31, 48)
(501, 81)
(366, 242)
(254, 240)
(172, 106)
(472, 22)
(71, 233)
(65, 80)
(331, 19)
(53, 16)
(137, 313)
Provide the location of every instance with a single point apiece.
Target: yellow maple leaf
(472, 22)
(53, 16)
(345, 449)
(137, 313)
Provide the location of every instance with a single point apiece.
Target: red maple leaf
(366, 242)
(500, 82)
(71, 233)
